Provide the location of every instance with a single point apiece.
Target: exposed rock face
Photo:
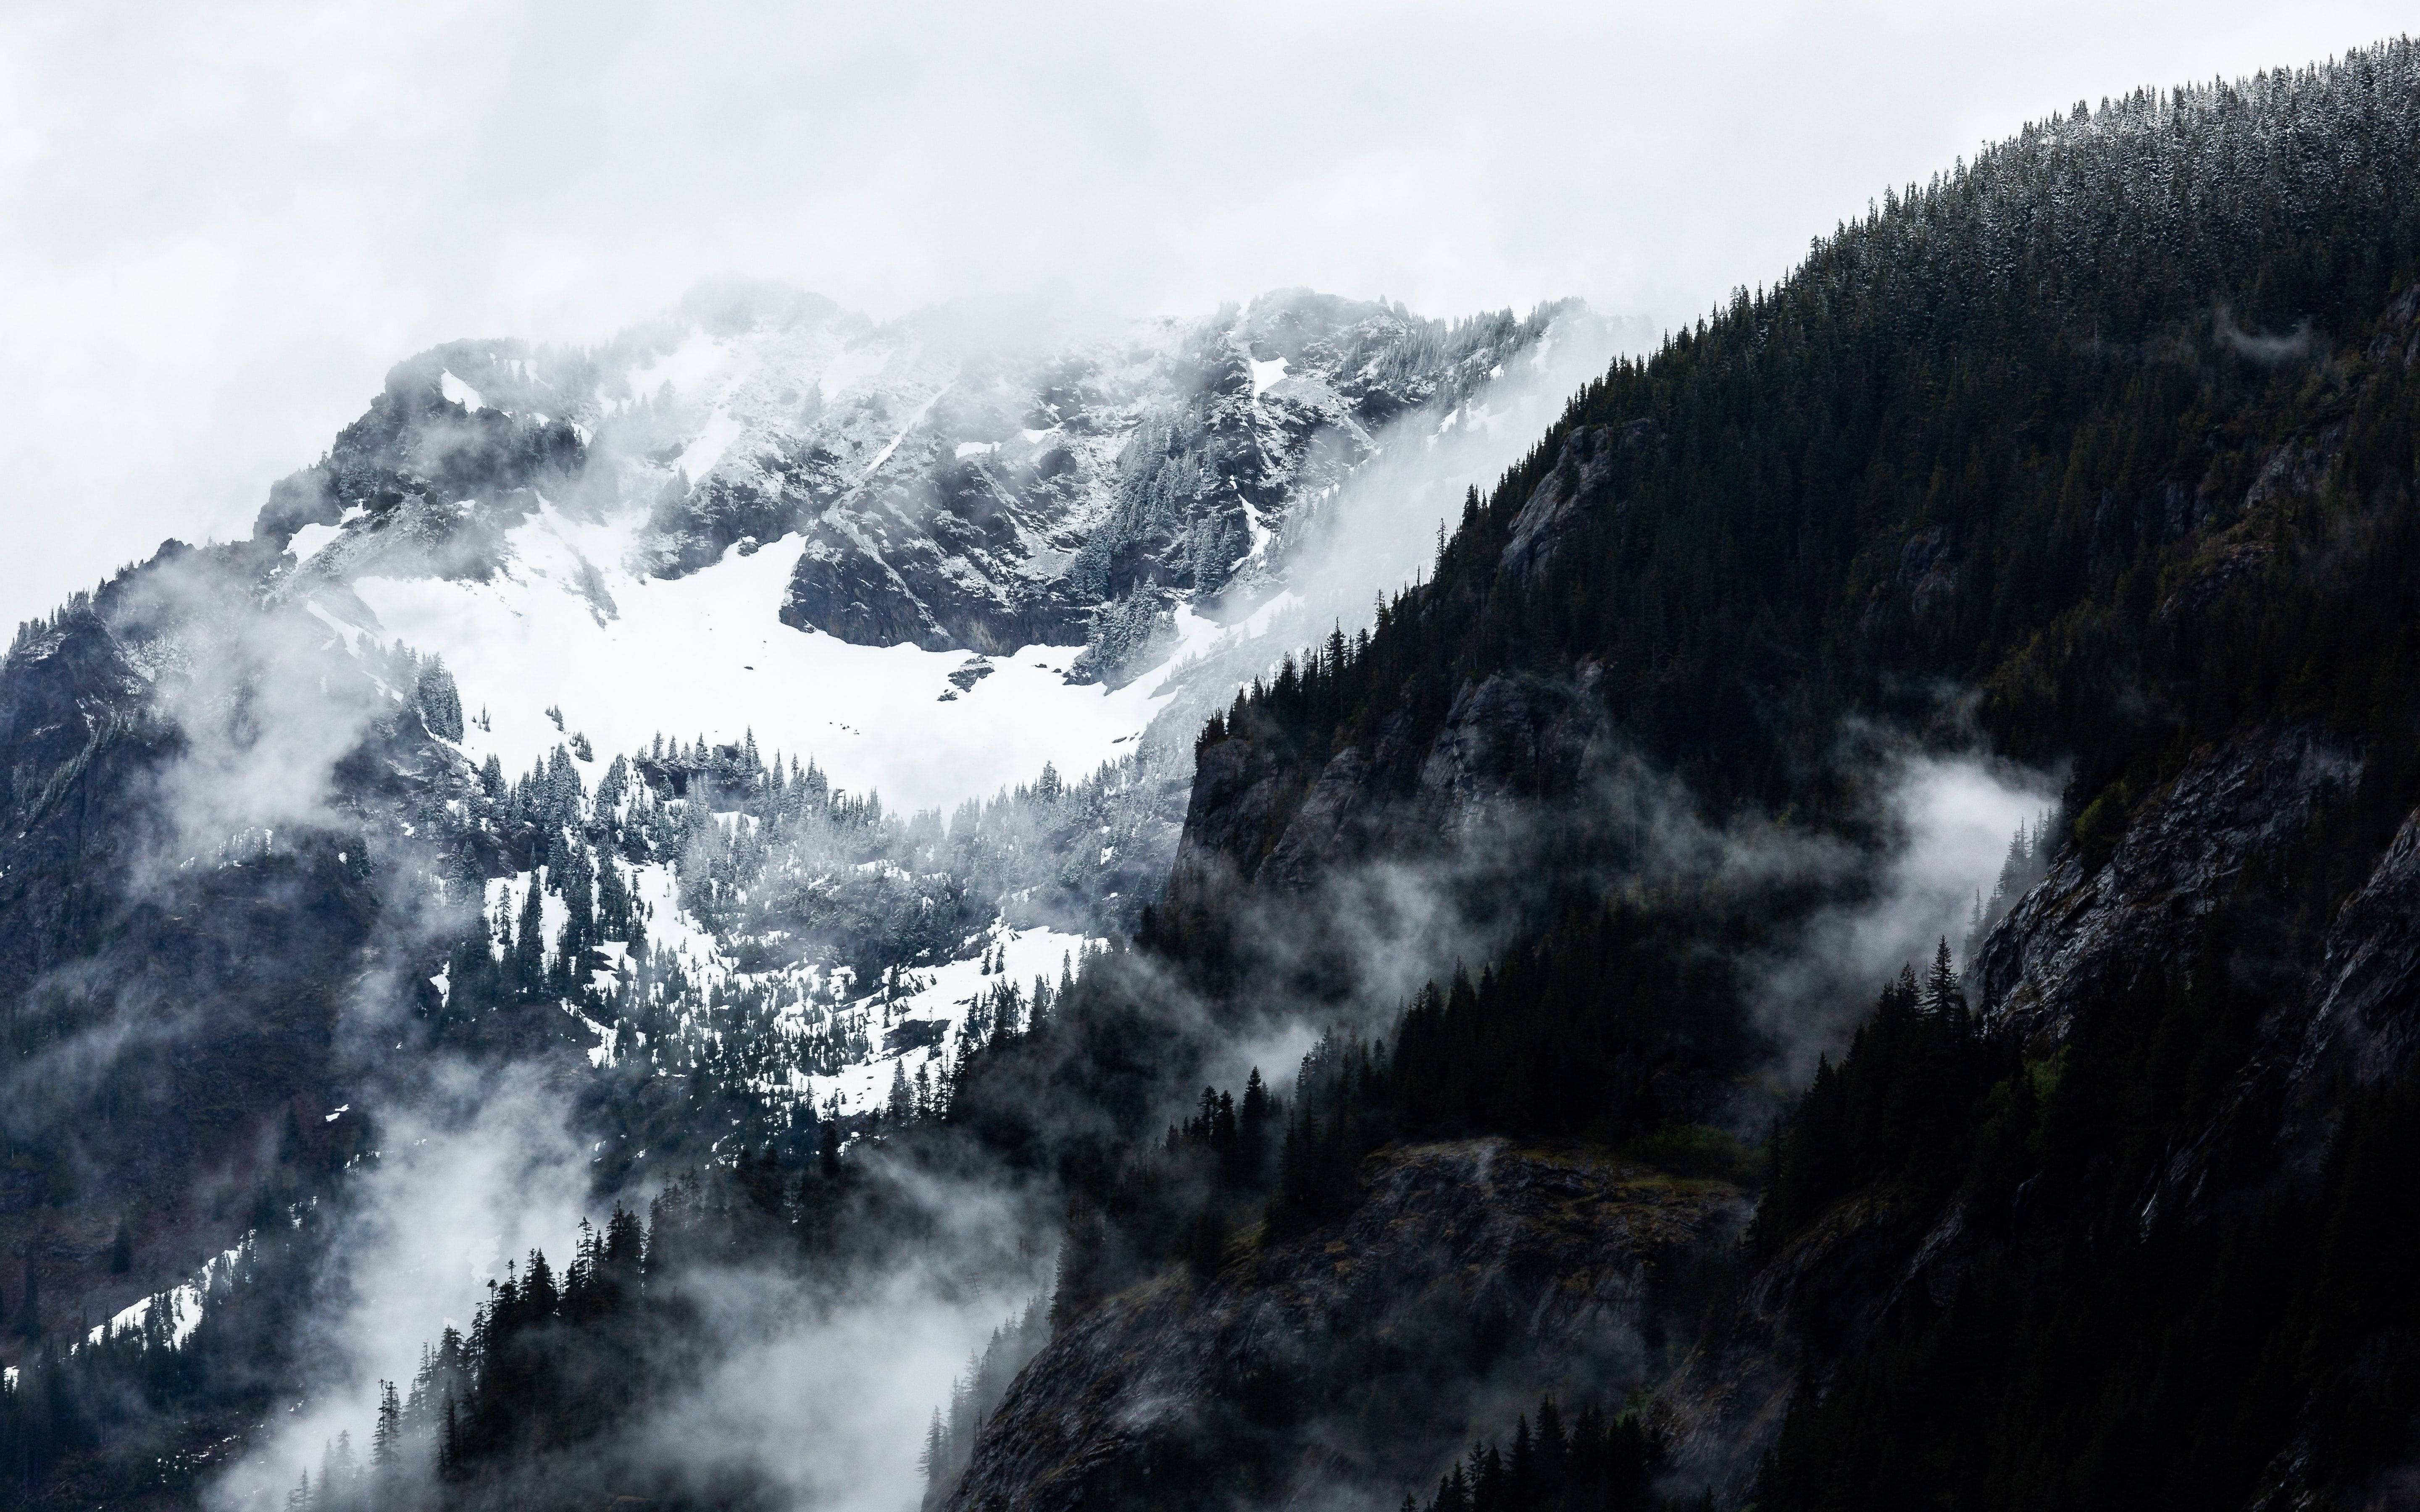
(2175, 866)
(1014, 505)
(954, 488)
(1720, 1408)
(1505, 740)
(1539, 1261)
(1588, 474)
(2364, 1005)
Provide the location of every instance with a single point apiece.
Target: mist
(1949, 818)
(818, 1388)
(227, 226)
(1373, 536)
(822, 1390)
(1377, 532)
(267, 702)
(463, 1183)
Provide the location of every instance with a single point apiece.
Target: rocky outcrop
(2364, 1005)
(1507, 739)
(1481, 1254)
(1504, 742)
(2087, 925)
(420, 455)
(943, 568)
(1592, 467)
(1027, 496)
(1720, 1408)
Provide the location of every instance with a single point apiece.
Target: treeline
(1897, 1109)
(538, 1402)
(950, 1438)
(817, 905)
(1601, 1464)
(1618, 1025)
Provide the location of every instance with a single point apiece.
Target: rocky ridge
(952, 487)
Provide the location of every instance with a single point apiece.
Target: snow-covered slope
(701, 655)
(765, 514)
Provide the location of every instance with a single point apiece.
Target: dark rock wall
(1472, 1274)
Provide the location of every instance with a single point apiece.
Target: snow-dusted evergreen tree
(439, 701)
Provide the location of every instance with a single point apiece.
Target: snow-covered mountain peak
(760, 507)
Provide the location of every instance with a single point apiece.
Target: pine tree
(439, 701)
(933, 1463)
(386, 1437)
(1942, 993)
(1252, 1128)
(529, 943)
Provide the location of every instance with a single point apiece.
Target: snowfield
(704, 656)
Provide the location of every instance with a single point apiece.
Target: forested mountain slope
(2098, 450)
(2110, 426)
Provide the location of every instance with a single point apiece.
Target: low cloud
(2268, 351)
(472, 1176)
(1947, 822)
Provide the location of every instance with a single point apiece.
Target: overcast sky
(218, 226)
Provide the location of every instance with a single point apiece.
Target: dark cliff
(1349, 1363)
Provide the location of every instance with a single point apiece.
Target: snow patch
(457, 392)
(943, 992)
(1262, 534)
(309, 540)
(686, 368)
(351, 634)
(699, 457)
(185, 1303)
(1267, 376)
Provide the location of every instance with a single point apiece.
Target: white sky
(218, 226)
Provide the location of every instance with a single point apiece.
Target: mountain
(955, 485)
(260, 794)
(617, 534)
(2097, 450)
(1623, 1163)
